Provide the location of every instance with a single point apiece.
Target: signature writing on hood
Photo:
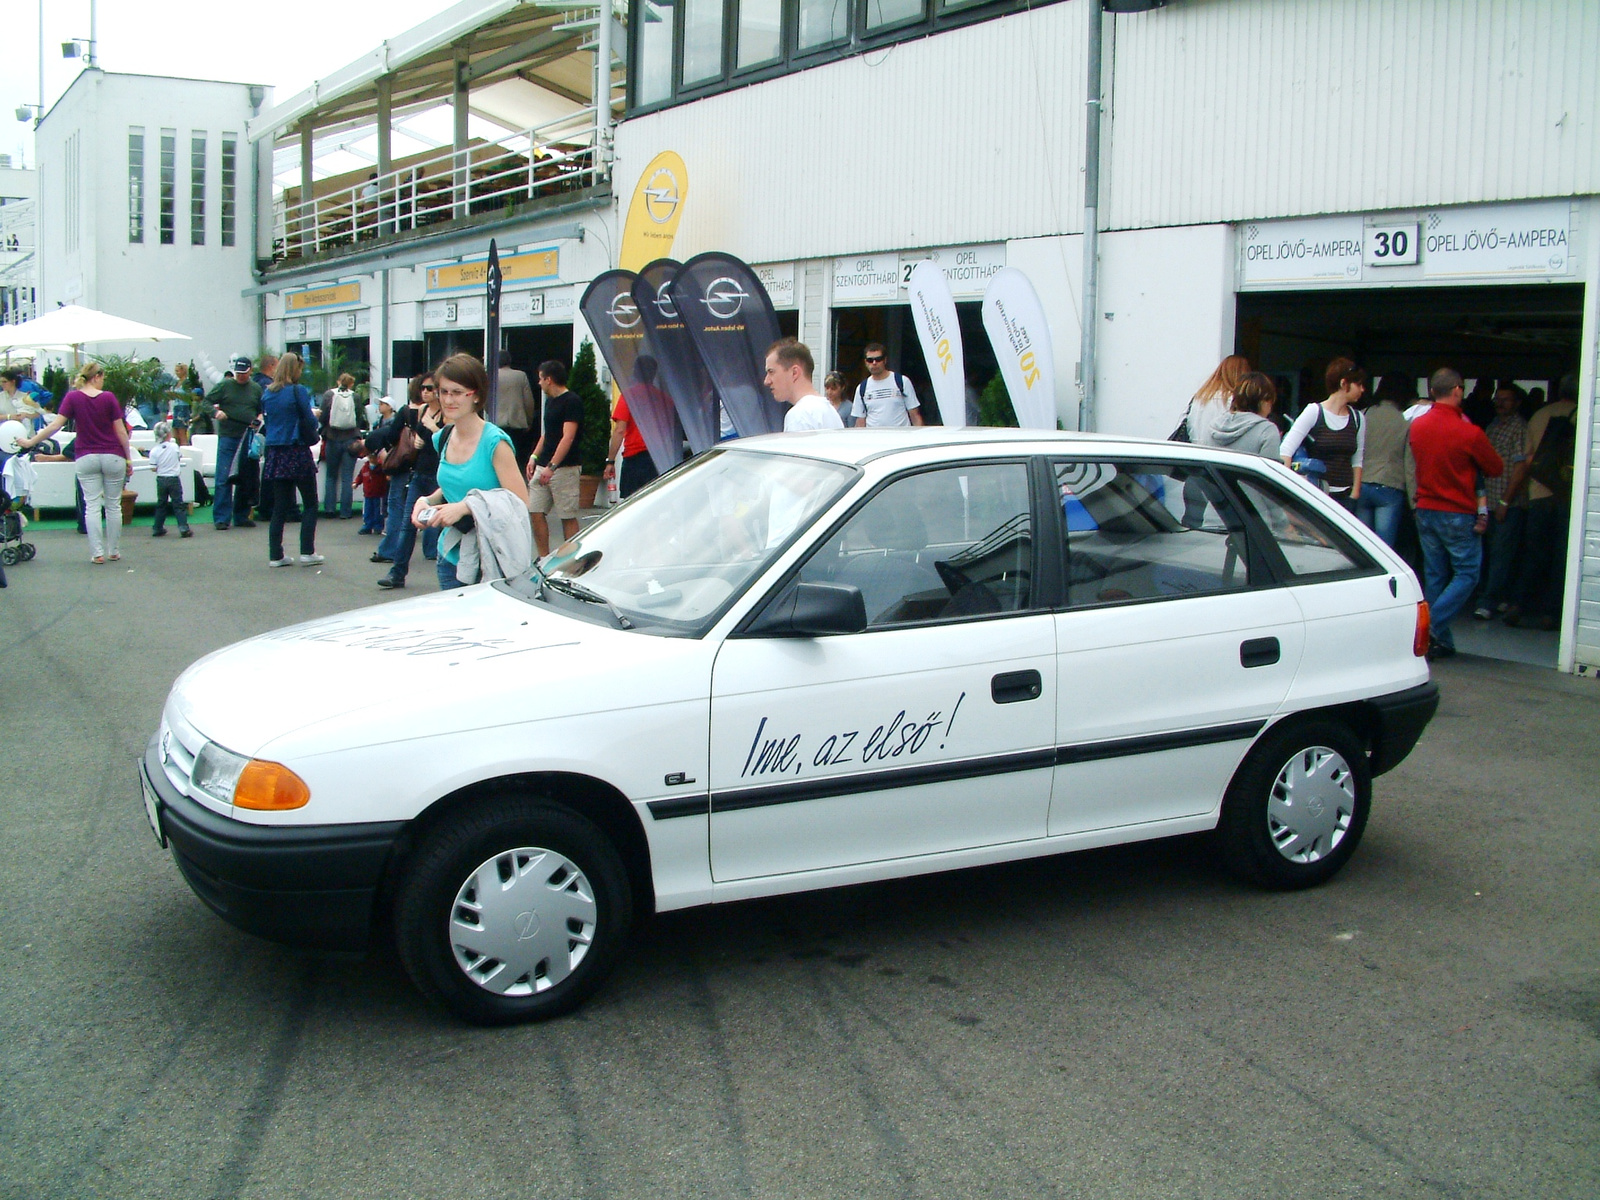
(389, 640)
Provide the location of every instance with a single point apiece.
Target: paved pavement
(1119, 1023)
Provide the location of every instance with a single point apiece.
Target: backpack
(899, 390)
(1552, 461)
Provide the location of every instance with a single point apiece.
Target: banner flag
(1015, 322)
(613, 318)
(491, 335)
(730, 319)
(933, 309)
(654, 212)
(682, 373)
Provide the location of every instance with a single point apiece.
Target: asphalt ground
(1128, 1022)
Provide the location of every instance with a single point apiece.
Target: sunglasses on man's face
(872, 358)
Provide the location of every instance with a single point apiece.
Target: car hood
(464, 659)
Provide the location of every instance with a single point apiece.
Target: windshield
(674, 556)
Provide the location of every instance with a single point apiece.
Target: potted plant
(584, 382)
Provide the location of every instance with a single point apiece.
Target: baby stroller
(12, 523)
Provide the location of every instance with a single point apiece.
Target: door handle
(1011, 686)
(1259, 652)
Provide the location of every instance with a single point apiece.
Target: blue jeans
(1451, 554)
(1544, 558)
(222, 503)
(420, 485)
(399, 514)
(446, 570)
(374, 513)
(1379, 508)
(1505, 539)
(338, 469)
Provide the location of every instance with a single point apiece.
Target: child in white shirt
(167, 460)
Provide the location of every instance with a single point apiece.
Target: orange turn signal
(1419, 641)
(270, 787)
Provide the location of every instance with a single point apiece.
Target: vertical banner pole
(491, 335)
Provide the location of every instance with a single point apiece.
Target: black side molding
(1399, 719)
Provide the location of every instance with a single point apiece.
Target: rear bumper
(1399, 719)
(305, 885)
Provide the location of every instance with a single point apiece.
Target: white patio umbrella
(73, 327)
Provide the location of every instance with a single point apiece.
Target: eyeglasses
(872, 358)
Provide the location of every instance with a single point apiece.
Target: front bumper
(1398, 721)
(303, 885)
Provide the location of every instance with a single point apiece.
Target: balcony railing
(487, 177)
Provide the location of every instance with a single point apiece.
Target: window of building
(680, 48)
(136, 183)
(197, 188)
(881, 14)
(652, 74)
(702, 41)
(230, 182)
(168, 198)
(760, 32)
(936, 545)
(1147, 531)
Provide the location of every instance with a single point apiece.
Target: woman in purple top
(101, 452)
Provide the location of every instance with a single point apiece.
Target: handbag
(1181, 433)
(400, 456)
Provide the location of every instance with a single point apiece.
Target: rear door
(1175, 643)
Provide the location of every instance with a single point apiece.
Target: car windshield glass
(674, 556)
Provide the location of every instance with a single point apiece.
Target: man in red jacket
(1449, 451)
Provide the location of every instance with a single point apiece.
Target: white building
(18, 223)
(1416, 183)
(146, 203)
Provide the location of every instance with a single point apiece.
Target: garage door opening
(892, 324)
(1526, 335)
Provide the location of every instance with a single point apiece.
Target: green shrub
(584, 382)
(994, 405)
(56, 381)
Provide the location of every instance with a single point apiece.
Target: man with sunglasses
(885, 398)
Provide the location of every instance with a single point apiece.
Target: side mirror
(812, 610)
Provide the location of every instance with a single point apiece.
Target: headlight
(229, 778)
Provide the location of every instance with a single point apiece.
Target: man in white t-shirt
(789, 368)
(885, 397)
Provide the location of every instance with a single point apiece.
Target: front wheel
(515, 911)
(1297, 806)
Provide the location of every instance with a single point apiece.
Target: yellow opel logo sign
(661, 196)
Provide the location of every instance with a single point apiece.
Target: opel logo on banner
(661, 196)
(624, 313)
(725, 298)
(665, 306)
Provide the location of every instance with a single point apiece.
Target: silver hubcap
(1312, 804)
(522, 922)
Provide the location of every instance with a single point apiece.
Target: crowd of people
(1475, 491)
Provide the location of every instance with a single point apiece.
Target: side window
(1309, 543)
(1148, 531)
(956, 542)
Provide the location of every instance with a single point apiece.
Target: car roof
(856, 447)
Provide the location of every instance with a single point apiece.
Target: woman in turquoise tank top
(472, 454)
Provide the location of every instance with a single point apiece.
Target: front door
(930, 731)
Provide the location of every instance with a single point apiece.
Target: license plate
(152, 810)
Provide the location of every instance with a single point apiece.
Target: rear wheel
(515, 911)
(1297, 806)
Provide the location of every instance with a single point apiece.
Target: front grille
(179, 745)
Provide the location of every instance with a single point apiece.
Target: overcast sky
(285, 44)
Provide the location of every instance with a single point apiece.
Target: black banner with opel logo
(681, 373)
(612, 316)
(730, 319)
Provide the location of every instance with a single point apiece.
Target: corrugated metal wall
(970, 136)
(1226, 110)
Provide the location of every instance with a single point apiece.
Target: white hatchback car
(797, 662)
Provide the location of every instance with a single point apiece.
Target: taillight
(1419, 640)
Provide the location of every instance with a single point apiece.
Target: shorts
(558, 497)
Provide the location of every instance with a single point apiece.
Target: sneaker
(1482, 613)
(1438, 650)
(158, 533)
(221, 525)
(280, 562)
(185, 533)
(389, 583)
(311, 560)
(380, 558)
(366, 532)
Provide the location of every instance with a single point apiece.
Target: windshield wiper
(579, 592)
(538, 592)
